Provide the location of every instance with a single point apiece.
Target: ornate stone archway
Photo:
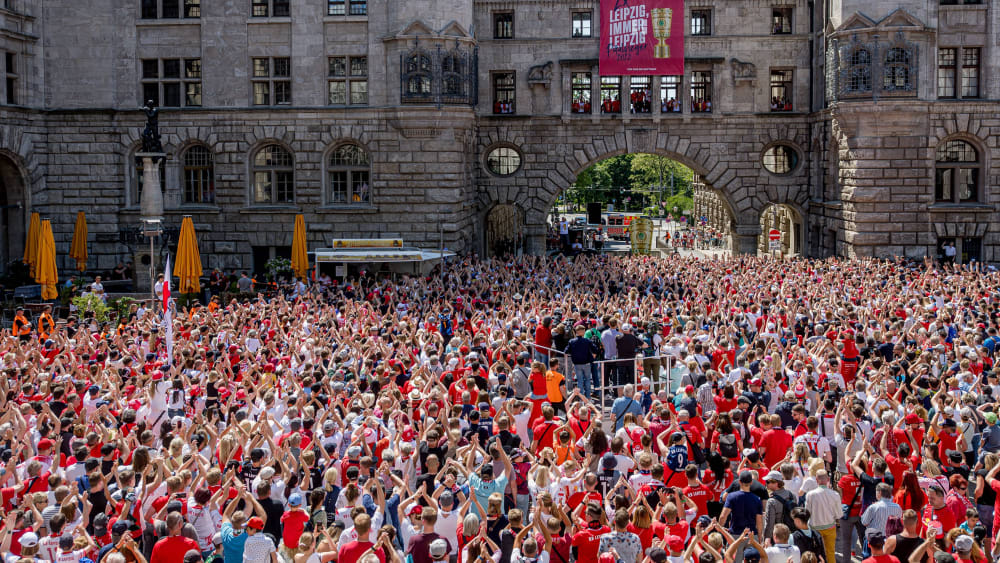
(724, 152)
(13, 205)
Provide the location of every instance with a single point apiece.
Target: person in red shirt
(937, 513)
(293, 523)
(172, 548)
(775, 442)
(697, 491)
(587, 539)
(543, 340)
(544, 432)
(947, 439)
(539, 389)
(876, 542)
(351, 552)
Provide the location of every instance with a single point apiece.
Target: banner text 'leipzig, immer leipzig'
(642, 37)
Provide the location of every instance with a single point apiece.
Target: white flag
(168, 321)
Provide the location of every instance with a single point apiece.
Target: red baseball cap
(255, 523)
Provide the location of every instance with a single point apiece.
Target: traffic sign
(774, 234)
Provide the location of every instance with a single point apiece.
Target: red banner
(642, 37)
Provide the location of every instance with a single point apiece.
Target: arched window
(896, 71)
(417, 73)
(859, 77)
(273, 175)
(199, 177)
(957, 173)
(349, 171)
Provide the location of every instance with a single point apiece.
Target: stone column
(151, 215)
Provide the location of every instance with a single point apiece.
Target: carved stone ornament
(540, 74)
(742, 70)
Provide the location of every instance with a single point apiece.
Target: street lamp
(152, 228)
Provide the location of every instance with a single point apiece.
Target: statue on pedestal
(151, 133)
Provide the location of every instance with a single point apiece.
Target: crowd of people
(767, 411)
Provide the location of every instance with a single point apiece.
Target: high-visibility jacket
(21, 326)
(46, 326)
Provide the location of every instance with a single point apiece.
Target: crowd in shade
(600, 409)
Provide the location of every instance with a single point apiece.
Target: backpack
(727, 446)
(786, 511)
(893, 526)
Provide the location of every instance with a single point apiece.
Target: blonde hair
(816, 465)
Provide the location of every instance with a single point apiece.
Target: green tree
(649, 170)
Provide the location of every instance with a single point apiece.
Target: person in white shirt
(258, 547)
(781, 551)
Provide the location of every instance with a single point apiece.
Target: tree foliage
(636, 178)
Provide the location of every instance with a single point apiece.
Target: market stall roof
(376, 250)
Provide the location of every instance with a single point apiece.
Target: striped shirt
(877, 515)
(823, 503)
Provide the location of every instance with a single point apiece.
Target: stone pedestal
(151, 215)
(141, 281)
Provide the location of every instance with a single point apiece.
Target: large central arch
(725, 153)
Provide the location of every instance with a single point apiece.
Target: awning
(379, 255)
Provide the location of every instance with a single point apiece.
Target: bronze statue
(151, 133)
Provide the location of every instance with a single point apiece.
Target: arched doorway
(12, 212)
(788, 221)
(504, 230)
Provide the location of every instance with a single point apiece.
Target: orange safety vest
(45, 326)
(21, 326)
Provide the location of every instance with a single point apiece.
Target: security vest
(21, 326)
(45, 326)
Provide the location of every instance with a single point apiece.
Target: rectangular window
(171, 9)
(580, 83)
(781, 21)
(150, 68)
(670, 94)
(970, 72)
(259, 8)
(503, 25)
(359, 7)
(192, 8)
(582, 24)
(640, 94)
(781, 90)
(348, 81)
(504, 92)
(271, 84)
(171, 94)
(172, 82)
(335, 7)
(701, 91)
(611, 94)
(10, 77)
(701, 22)
(171, 68)
(955, 180)
(338, 186)
(149, 10)
(261, 67)
(946, 72)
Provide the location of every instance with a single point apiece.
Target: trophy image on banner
(661, 31)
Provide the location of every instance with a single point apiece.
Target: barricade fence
(607, 377)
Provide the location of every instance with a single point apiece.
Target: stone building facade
(871, 123)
